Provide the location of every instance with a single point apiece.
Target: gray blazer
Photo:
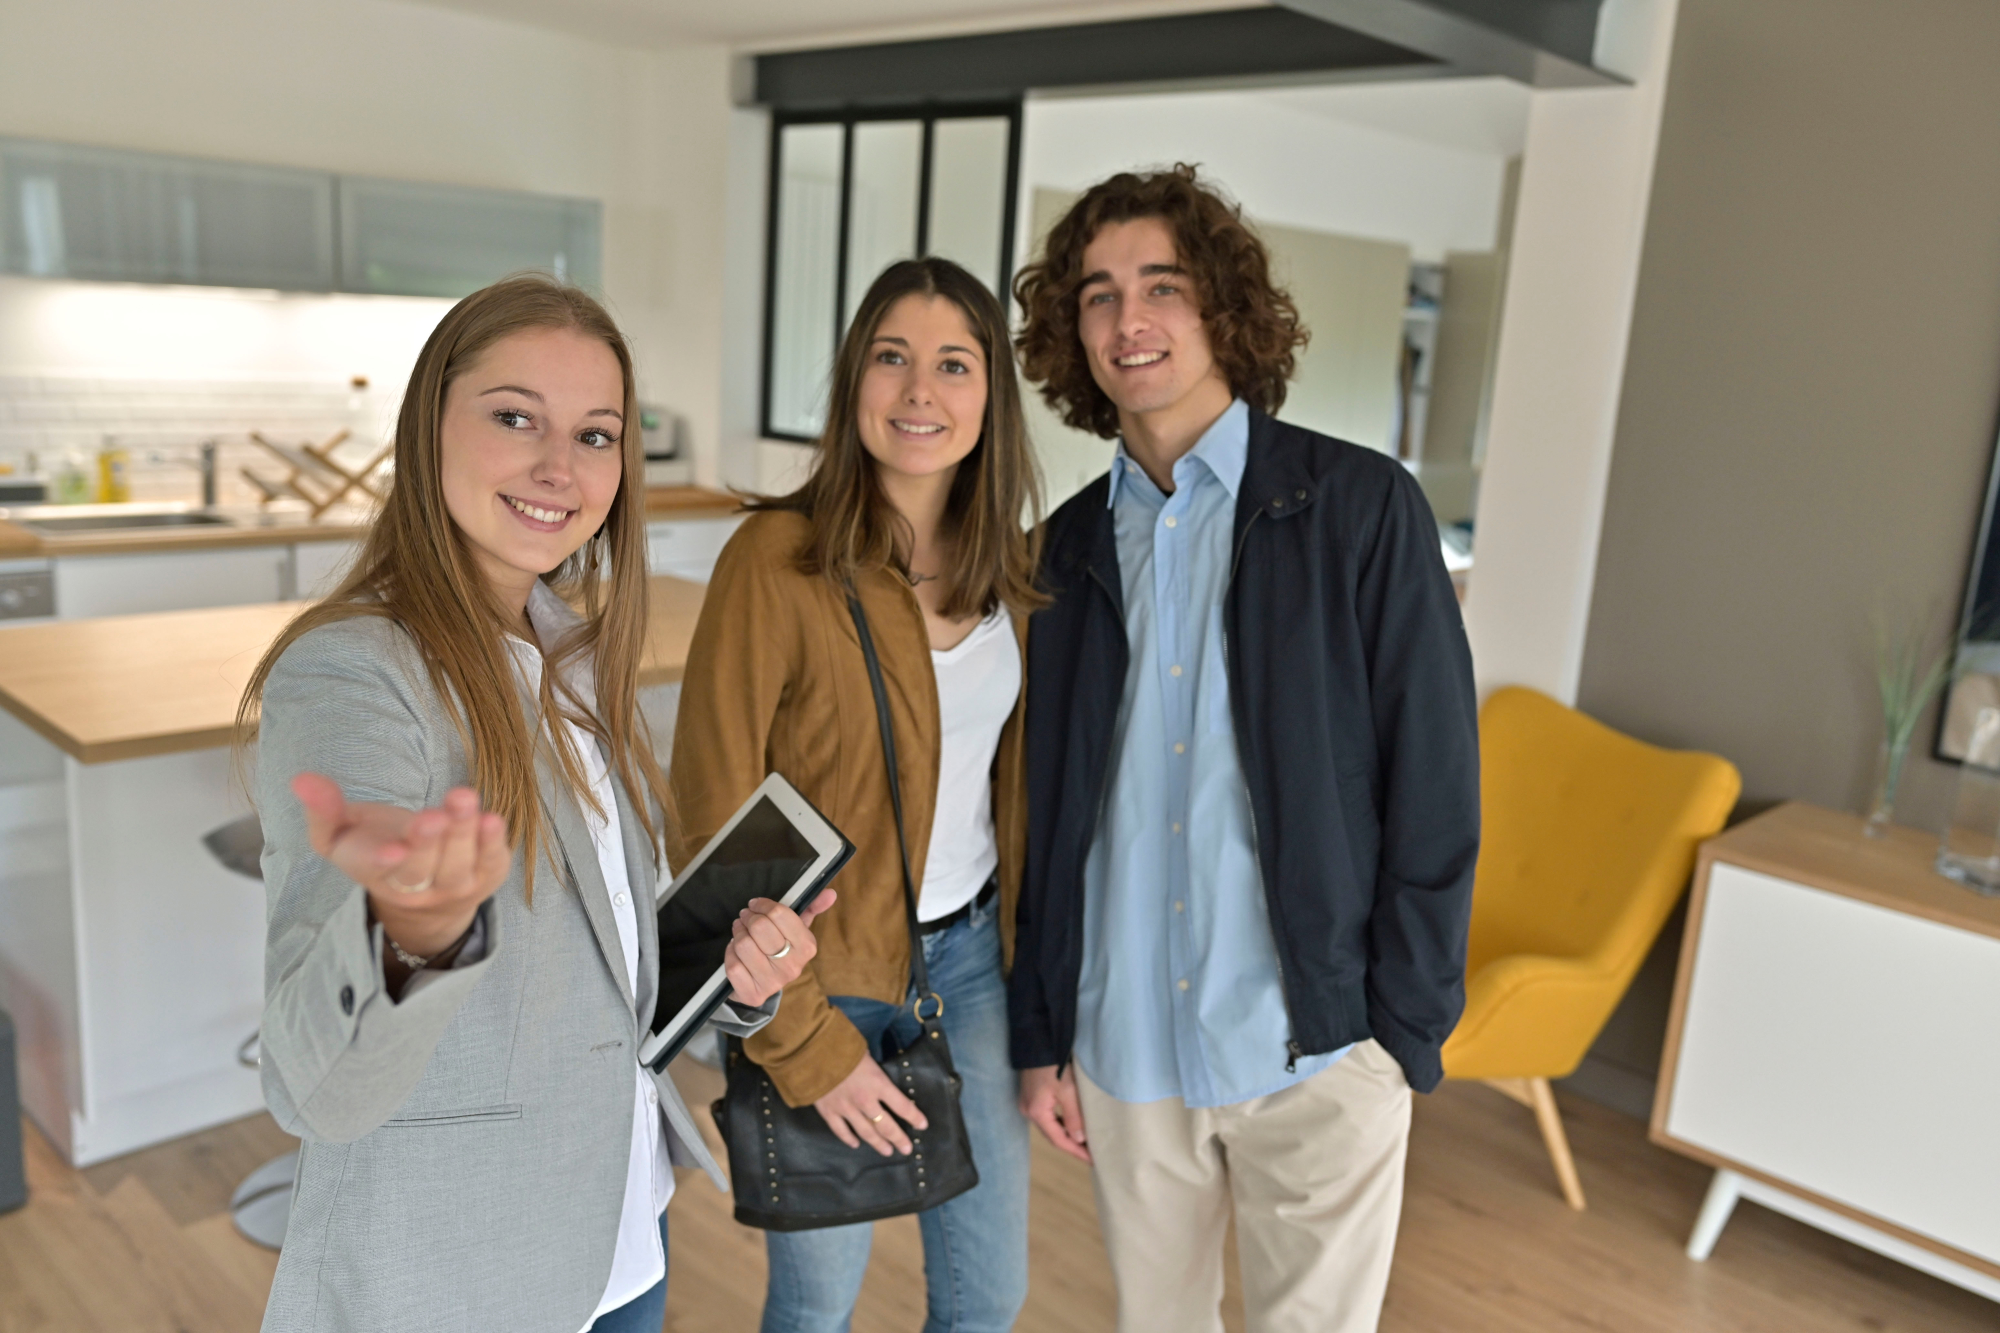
(465, 1149)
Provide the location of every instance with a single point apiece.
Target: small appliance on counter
(664, 438)
(23, 491)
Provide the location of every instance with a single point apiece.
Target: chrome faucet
(208, 451)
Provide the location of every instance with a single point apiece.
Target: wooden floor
(144, 1244)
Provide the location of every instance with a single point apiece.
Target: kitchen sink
(121, 522)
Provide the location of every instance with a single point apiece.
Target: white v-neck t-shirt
(978, 682)
(638, 1262)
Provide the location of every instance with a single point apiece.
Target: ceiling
(1474, 115)
(776, 24)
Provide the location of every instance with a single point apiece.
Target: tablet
(775, 846)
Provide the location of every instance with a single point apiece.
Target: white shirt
(978, 682)
(638, 1262)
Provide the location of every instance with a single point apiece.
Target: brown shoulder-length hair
(995, 506)
(415, 569)
(1253, 326)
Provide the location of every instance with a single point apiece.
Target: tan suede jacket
(776, 683)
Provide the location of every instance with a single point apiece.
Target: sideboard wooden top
(123, 687)
(1826, 849)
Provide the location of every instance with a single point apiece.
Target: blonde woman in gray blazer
(464, 831)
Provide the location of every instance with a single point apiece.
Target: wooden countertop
(124, 687)
(1826, 849)
(21, 543)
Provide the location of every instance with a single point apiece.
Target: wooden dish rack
(314, 475)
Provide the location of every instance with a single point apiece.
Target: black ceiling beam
(1542, 43)
(1262, 43)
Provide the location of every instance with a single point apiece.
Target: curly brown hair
(1253, 325)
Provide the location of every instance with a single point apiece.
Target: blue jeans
(976, 1245)
(644, 1313)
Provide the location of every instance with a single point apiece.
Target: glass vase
(1888, 776)
(1970, 850)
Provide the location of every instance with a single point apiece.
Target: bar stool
(262, 1204)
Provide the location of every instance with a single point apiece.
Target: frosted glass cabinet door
(402, 238)
(103, 215)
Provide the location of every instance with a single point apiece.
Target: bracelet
(416, 962)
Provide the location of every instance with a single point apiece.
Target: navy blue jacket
(1351, 688)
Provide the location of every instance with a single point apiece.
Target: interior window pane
(882, 202)
(803, 284)
(969, 193)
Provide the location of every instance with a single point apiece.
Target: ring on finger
(877, 1118)
(418, 887)
(774, 957)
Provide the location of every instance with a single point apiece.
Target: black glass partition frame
(851, 191)
(1975, 681)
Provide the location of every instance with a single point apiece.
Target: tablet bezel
(832, 850)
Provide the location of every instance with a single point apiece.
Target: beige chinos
(1315, 1172)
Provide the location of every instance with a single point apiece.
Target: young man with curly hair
(1253, 784)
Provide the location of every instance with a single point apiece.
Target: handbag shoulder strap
(919, 973)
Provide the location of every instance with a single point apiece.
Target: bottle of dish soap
(114, 484)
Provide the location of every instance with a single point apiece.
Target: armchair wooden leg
(1536, 1095)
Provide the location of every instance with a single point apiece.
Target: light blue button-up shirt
(1180, 994)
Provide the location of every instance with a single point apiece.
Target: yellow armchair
(1588, 838)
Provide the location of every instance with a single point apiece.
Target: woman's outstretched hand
(769, 945)
(425, 871)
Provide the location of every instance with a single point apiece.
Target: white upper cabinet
(99, 214)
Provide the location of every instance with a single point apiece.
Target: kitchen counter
(124, 687)
(132, 960)
(258, 528)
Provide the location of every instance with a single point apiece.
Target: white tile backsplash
(162, 423)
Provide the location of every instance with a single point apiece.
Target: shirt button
(347, 1000)
(1180, 747)
(652, 1095)
(1173, 671)
(1177, 828)
(621, 900)
(1171, 521)
(1181, 907)
(1182, 983)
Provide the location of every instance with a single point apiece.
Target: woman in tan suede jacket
(922, 476)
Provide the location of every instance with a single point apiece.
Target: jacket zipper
(1293, 1051)
(1103, 794)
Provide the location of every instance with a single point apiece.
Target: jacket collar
(568, 827)
(1278, 480)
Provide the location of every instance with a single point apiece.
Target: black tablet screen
(761, 857)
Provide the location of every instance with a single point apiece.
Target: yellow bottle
(113, 485)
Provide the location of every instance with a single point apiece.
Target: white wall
(1579, 225)
(1293, 158)
(402, 90)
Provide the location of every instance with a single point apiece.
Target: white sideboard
(1834, 1045)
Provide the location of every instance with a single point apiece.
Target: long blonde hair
(415, 569)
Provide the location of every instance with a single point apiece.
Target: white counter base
(131, 962)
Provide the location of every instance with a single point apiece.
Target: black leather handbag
(789, 1171)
